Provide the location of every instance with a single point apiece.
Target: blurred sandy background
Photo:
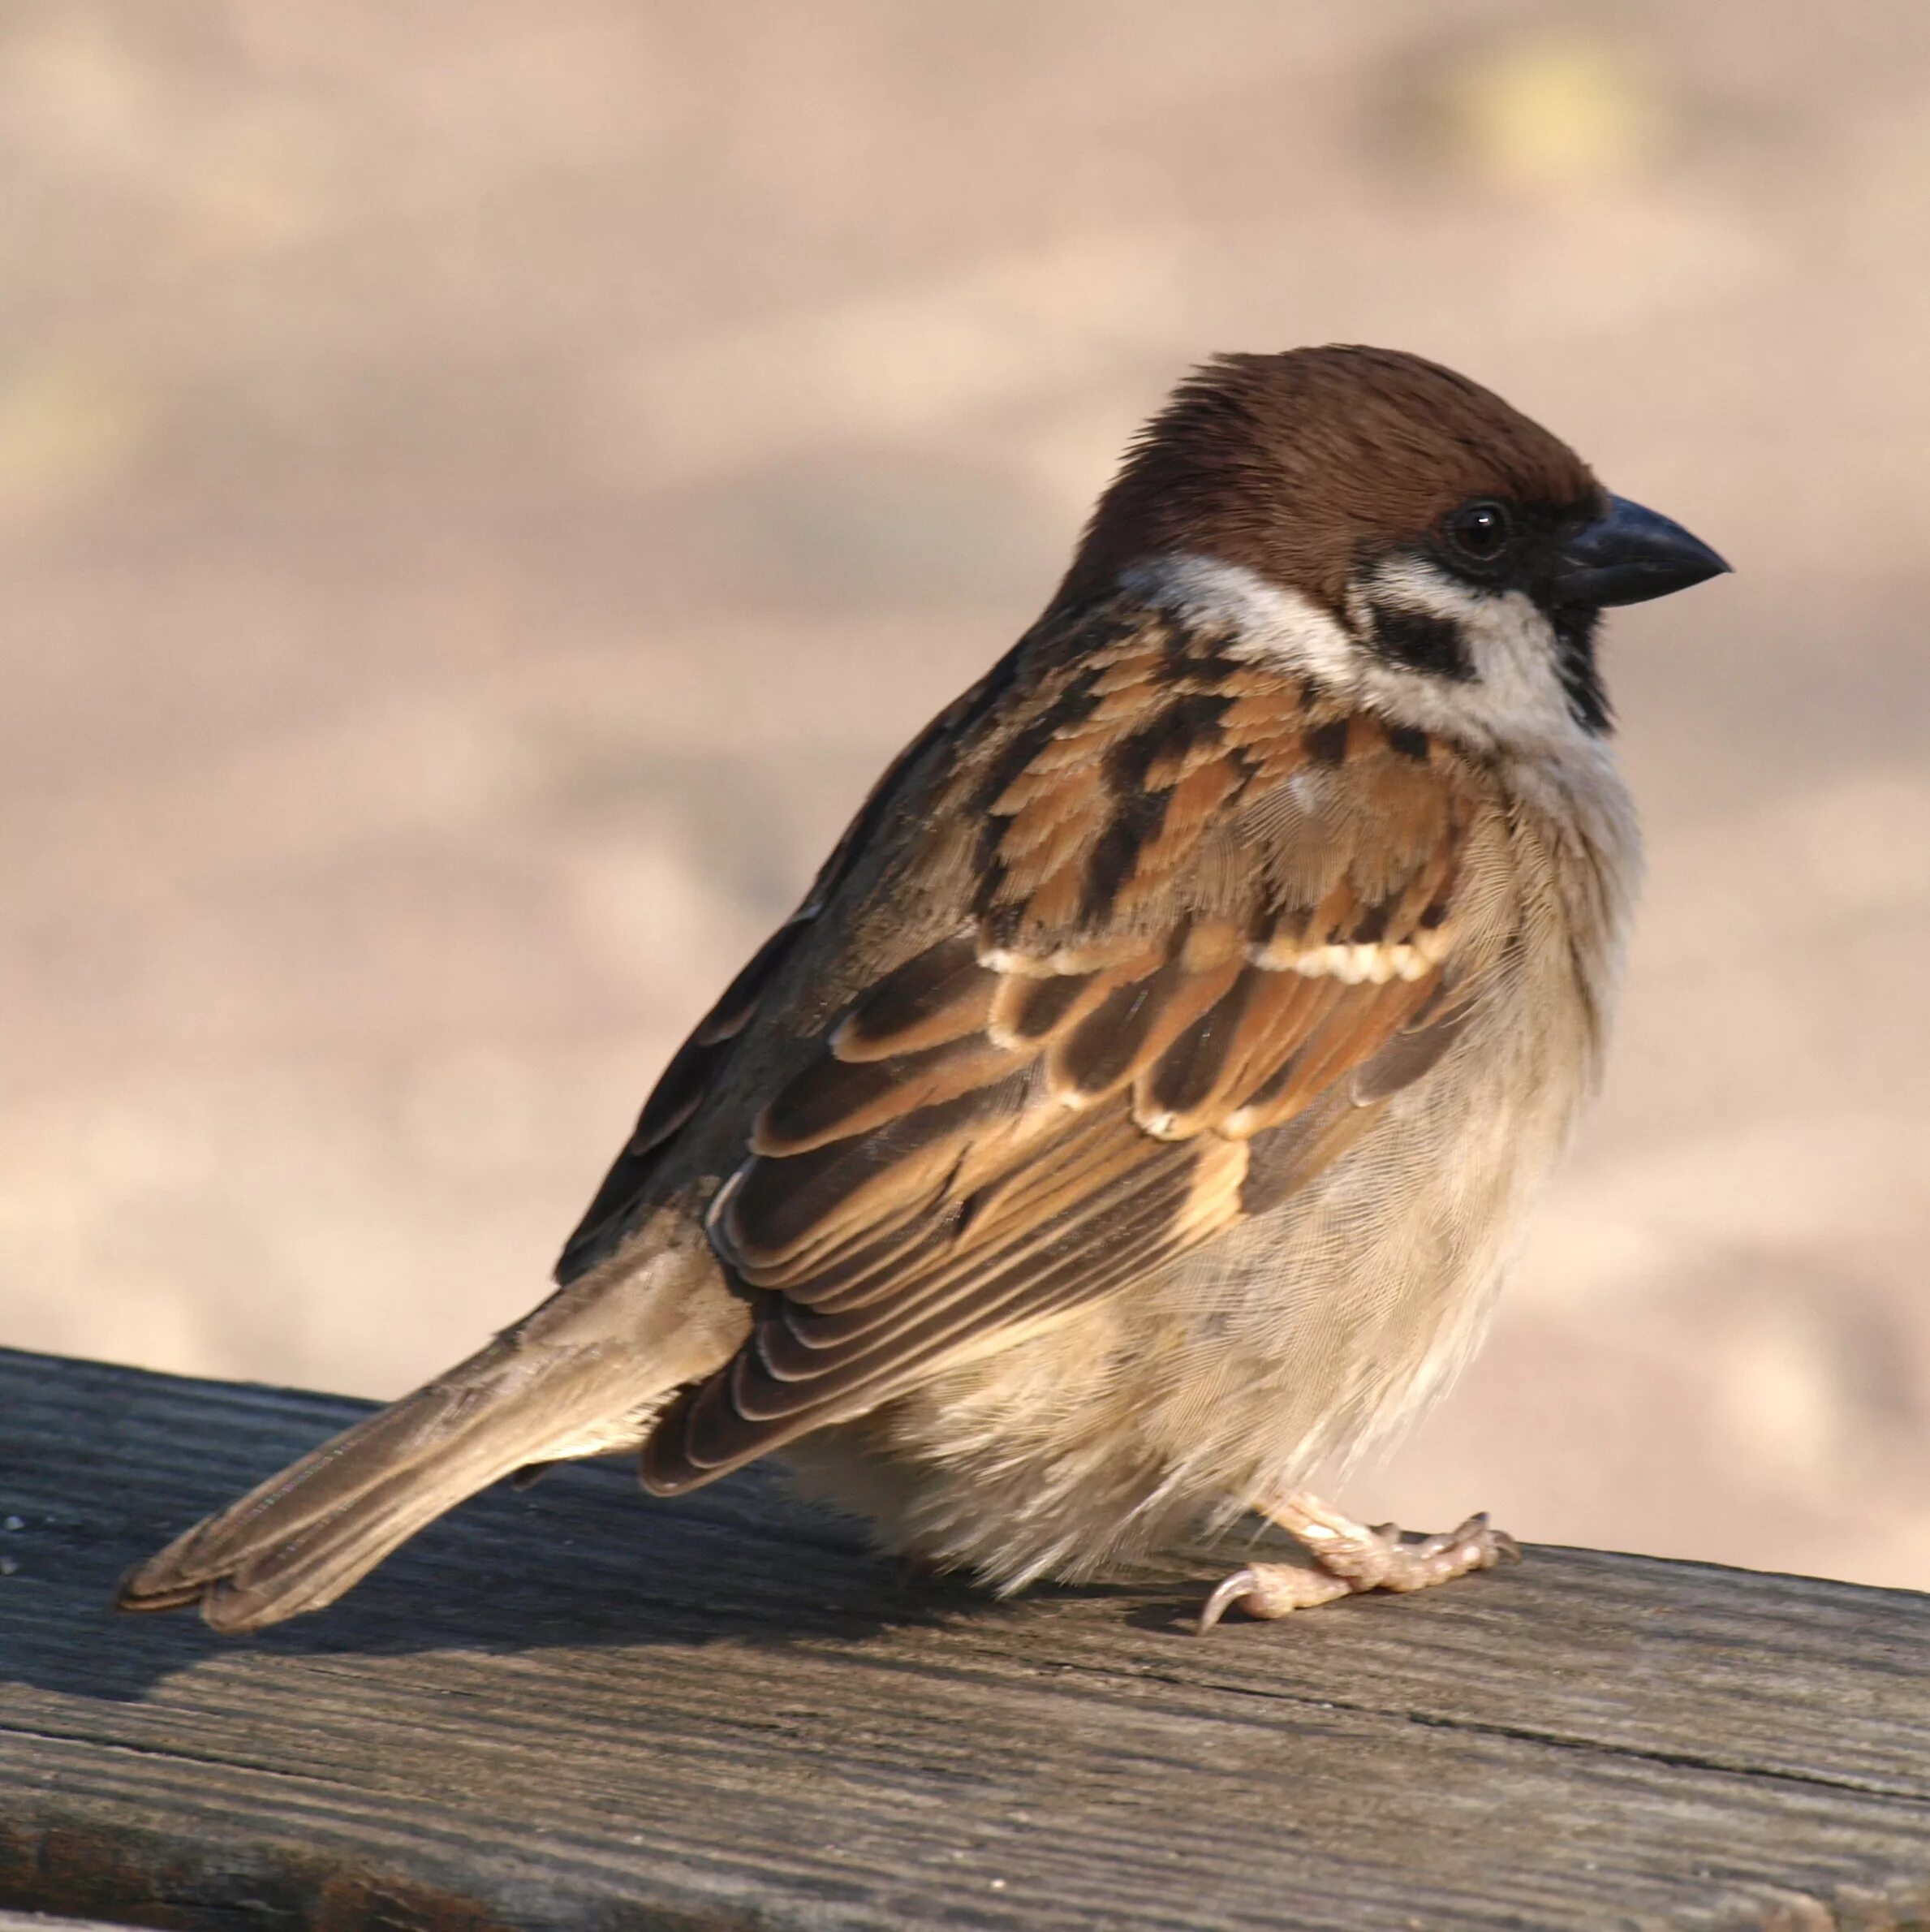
(483, 487)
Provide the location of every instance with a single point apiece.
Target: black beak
(1628, 556)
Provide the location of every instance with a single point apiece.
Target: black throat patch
(1580, 676)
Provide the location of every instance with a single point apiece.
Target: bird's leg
(1350, 1556)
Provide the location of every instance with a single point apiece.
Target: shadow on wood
(577, 1708)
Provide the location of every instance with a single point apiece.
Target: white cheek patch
(1267, 621)
(1514, 694)
(1513, 698)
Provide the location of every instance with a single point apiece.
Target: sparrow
(1140, 1110)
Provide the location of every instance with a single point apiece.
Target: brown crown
(1296, 465)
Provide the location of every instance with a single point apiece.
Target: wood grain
(41, 1922)
(577, 1708)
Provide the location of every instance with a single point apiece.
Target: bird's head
(1391, 529)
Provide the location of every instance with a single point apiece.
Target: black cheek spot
(1421, 641)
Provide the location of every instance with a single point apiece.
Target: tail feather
(300, 1539)
(585, 1374)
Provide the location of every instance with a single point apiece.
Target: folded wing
(1207, 925)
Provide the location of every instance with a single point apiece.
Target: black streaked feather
(1136, 821)
(777, 1202)
(1041, 1004)
(1326, 744)
(1103, 1045)
(938, 985)
(1183, 1074)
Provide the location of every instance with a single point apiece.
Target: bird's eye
(1481, 531)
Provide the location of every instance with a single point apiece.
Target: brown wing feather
(1204, 934)
(701, 1063)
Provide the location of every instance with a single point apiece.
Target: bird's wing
(1194, 926)
(705, 1061)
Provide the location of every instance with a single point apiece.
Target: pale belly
(1302, 1337)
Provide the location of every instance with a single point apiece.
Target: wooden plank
(577, 1708)
(41, 1922)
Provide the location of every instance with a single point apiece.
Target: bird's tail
(559, 1386)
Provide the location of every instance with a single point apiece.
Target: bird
(1141, 1110)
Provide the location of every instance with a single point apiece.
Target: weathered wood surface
(575, 1708)
(42, 1921)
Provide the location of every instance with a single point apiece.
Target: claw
(1350, 1558)
(1239, 1584)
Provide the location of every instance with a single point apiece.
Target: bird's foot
(1350, 1557)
